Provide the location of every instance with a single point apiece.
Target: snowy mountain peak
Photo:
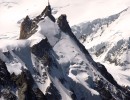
(107, 40)
(51, 64)
(46, 12)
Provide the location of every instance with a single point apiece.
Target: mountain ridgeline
(56, 66)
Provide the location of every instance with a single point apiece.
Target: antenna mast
(48, 3)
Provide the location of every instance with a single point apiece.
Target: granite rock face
(25, 28)
(54, 73)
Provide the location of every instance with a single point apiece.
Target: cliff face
(108, 42)
(21, 85)
(25, 28)
(29, 26)
(51, 64)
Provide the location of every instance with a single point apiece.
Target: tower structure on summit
(48, 2)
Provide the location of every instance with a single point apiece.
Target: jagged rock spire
(48, 3)
(46, 12)
(25, 27)
(63, 24)
(48, 9)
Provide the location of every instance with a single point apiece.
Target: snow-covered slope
(52, 64)
(13, 11)
(108, 41)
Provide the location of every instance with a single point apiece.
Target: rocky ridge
(61, 78)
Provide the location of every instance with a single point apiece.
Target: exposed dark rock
(6, 84)
(39, 95)
(25, 83)
(46, 12)
(73, 95)
(41, 48)
(28, 28)
(8, 95)
(25, 28)
(42, 51)
(52, 93)
(63, 24)
(100, 51)
(4, 74)
(105, 94)
(107, 75)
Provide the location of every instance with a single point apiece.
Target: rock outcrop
(6, 84)
(29, 26)
(101, 86)
(4, 74)
(63, 24)
(25, 28)
(54, 68)
(22, 83)
(46, 12)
